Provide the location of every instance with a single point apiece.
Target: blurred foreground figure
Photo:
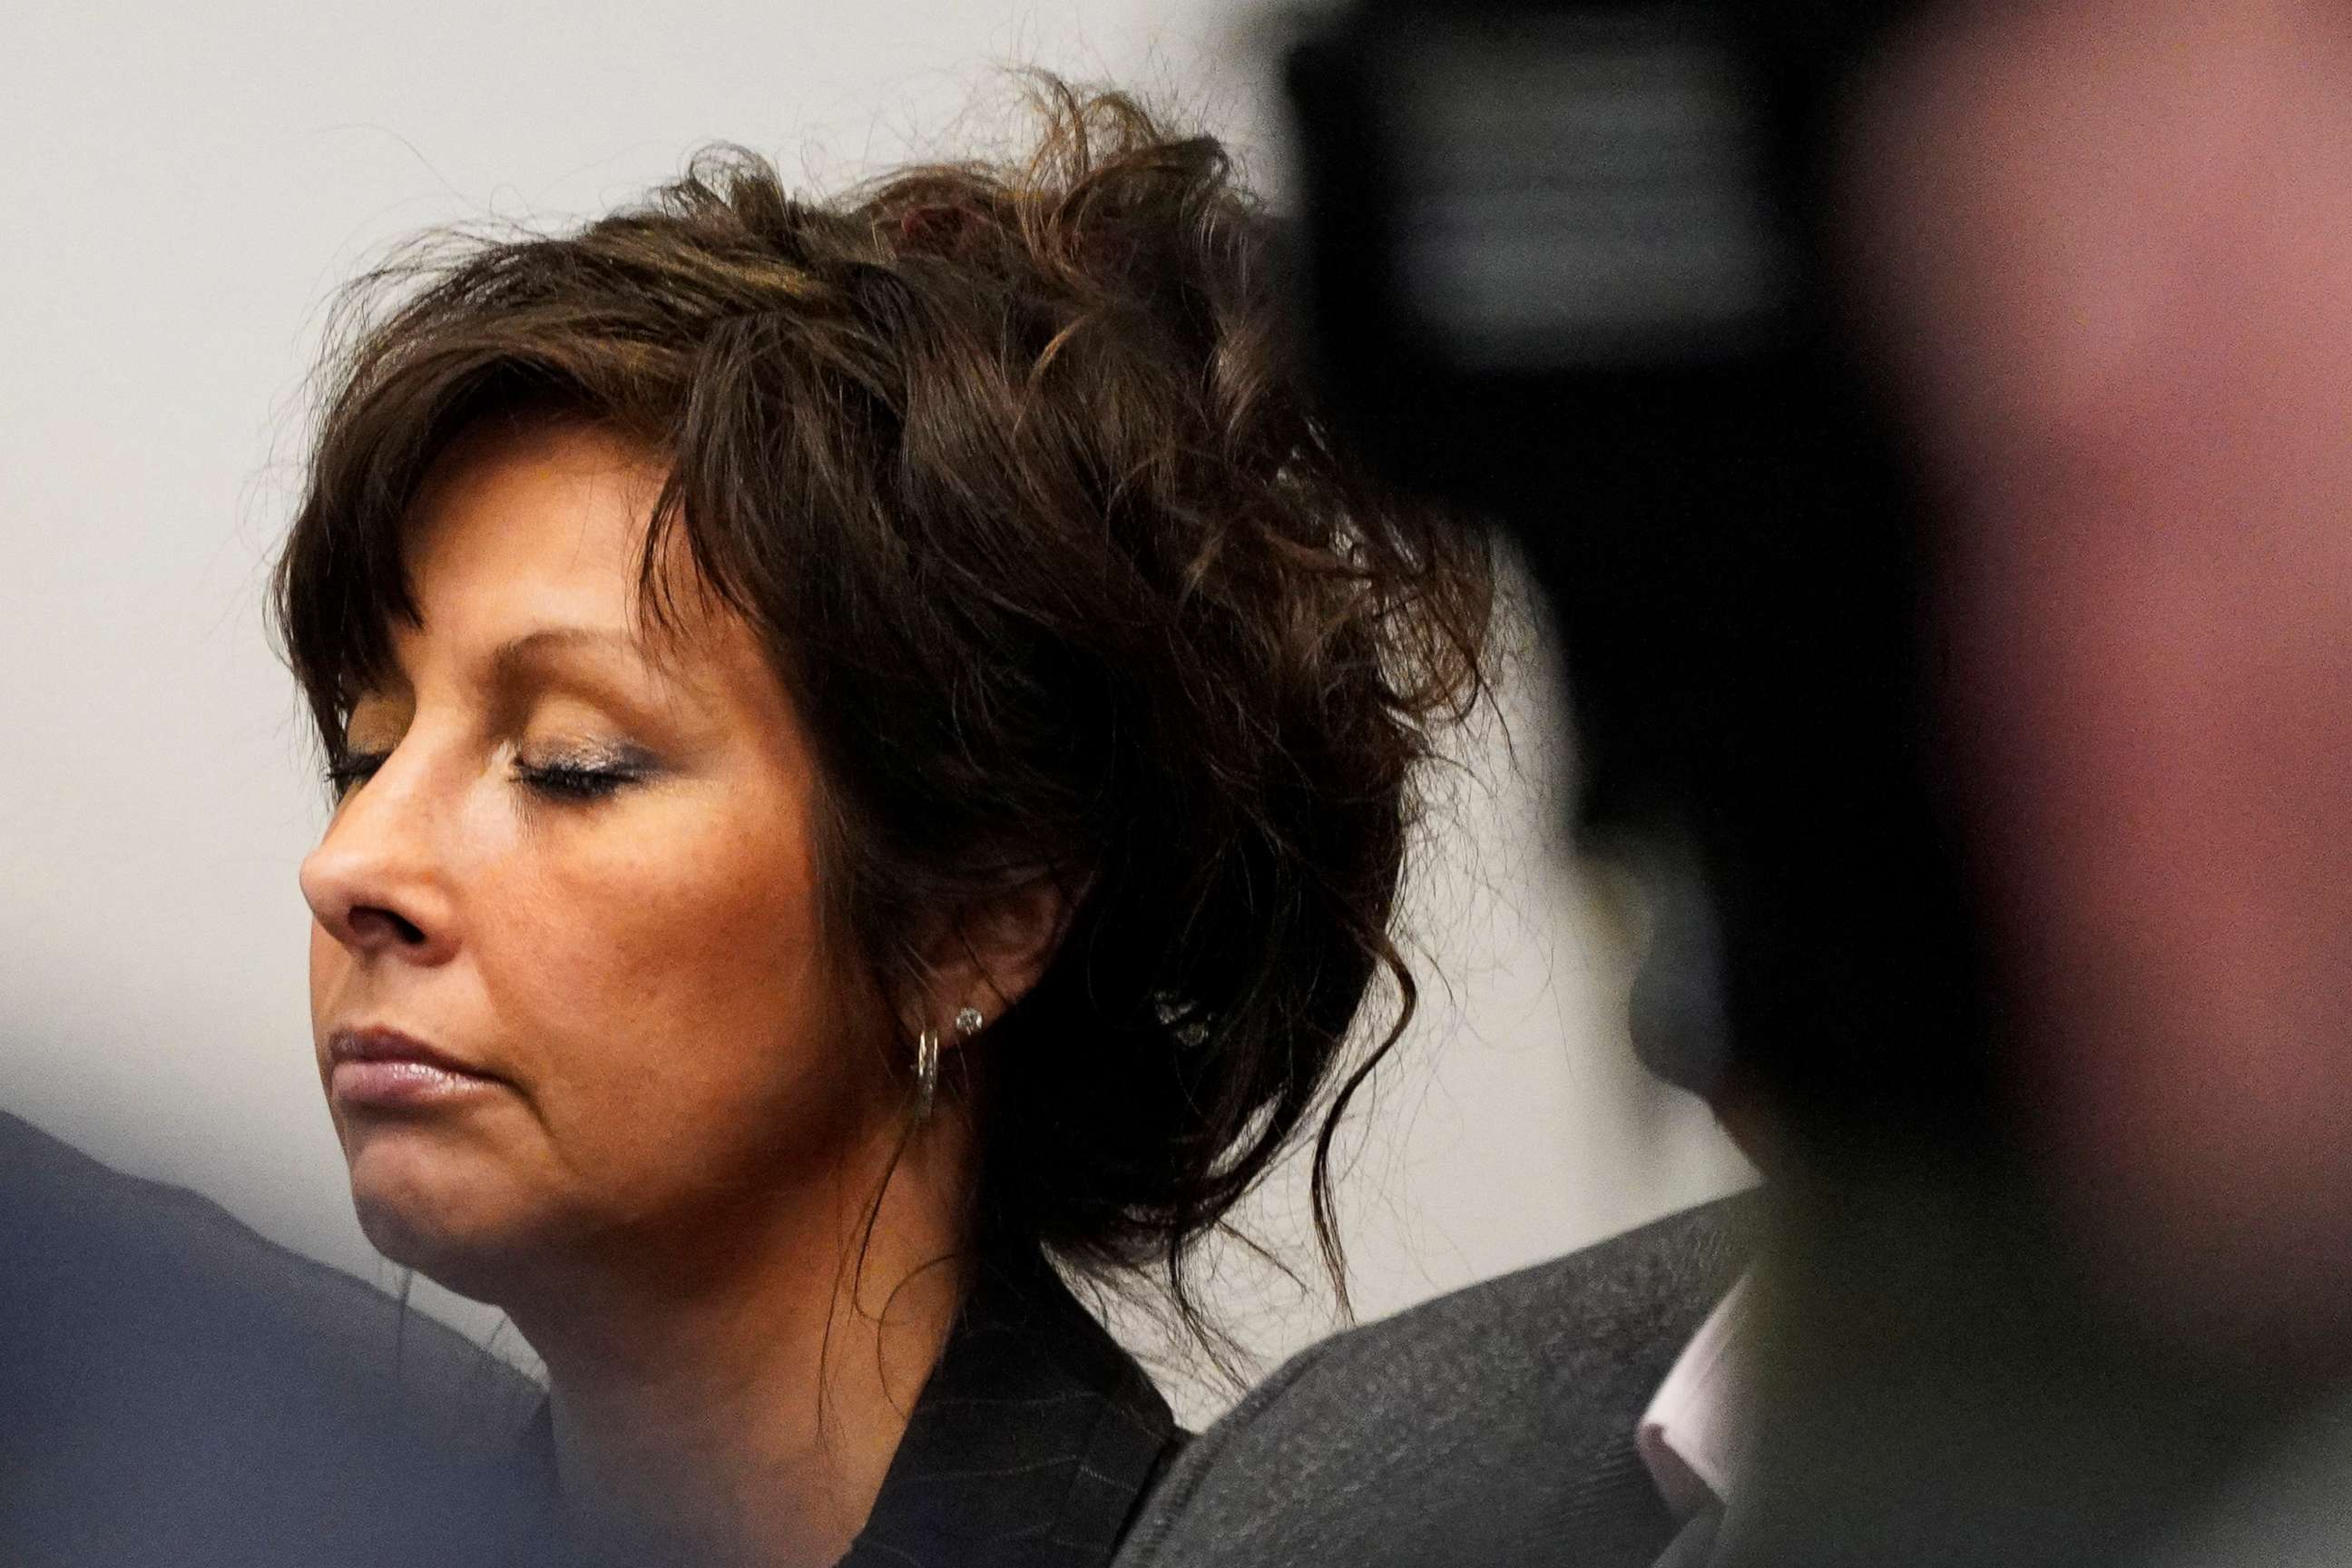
(1926, 424)
(2110, 249)
(174, 1390)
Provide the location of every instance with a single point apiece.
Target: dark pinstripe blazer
(1032, 1444)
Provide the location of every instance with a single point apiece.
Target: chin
(424, 1209)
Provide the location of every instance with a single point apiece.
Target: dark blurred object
(1566, 266)
(174, 1390)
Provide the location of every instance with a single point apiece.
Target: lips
(383, 1068)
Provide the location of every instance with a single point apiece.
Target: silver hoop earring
(968, 1023)
(927, 1073)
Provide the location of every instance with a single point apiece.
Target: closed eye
(346, 771)
(578, 782)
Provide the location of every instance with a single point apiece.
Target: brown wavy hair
(1013, 472)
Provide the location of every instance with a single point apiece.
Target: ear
(989, 955)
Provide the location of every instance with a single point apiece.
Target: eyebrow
(520, 661)
(514, 657)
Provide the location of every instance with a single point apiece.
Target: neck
(736, 1396)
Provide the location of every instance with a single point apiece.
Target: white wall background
(181, 188)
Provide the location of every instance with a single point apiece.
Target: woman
(874, 743)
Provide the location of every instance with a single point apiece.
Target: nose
(377, 882)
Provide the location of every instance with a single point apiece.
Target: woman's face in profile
(566, 983)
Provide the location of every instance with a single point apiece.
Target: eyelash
(569, 783)
(576, 783)
(349, 770)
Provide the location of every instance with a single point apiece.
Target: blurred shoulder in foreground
(1493, 1425)
(175, 1388)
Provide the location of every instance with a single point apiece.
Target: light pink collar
(1692, 1434)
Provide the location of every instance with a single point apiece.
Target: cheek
(666, 993)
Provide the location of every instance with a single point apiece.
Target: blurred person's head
(765, 647)
(2110, 248)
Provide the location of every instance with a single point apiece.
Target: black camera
(1576, 268)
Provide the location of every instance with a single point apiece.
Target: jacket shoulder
(1494, 1424)
(118, 1269)
(180, 1389)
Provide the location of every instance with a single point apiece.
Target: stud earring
(968, 1023)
